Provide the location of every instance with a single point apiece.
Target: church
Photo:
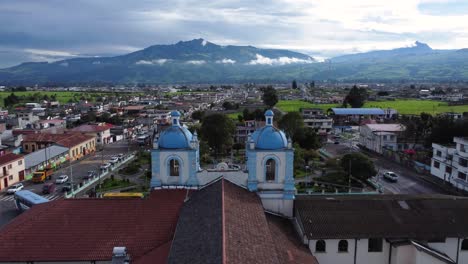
(194, 215)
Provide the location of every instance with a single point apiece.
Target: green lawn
(296, 105)
(402, 106)
(233, 116)
(418, 106)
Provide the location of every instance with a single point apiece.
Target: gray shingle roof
(39, 156)
(386, 216)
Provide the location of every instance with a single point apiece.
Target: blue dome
(175, 137)
(269, 113)
(175, 113)
(269, 137)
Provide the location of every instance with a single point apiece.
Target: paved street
(409, 182)
(79, 168)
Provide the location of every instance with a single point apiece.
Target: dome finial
(269, 117)
(175, 116)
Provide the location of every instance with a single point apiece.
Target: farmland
(402, 106)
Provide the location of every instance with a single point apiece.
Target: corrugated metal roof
(358, 111)
(38, 157)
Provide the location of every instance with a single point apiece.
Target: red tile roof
(68, 140)
(287, 242)
(88, 229)
(247, 235)
(92, 128)
(10, 157)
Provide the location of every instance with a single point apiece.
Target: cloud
(329, 28)
(260, 60)
(196, 62)
(226, 61)
(151, 62)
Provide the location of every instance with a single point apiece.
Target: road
(79, 169)
(409, 182)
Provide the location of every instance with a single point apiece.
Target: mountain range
(200, 61)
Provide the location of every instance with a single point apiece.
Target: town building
(50, 157)
(450, 163)
(232, 216)
(11, 169)
(101, 131)
(378, 137)
(316, 119)
(78, 144)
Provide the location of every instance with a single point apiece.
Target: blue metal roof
(269, 137)
(358, 111)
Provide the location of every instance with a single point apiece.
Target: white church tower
(270, 159)
(175, 156)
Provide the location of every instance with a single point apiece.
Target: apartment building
(450, 162)
(11, 170)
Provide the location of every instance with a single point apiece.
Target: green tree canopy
(356, 97)
(198, 115)
(291, 123)
(362, 168)
(217, 130)
(294, 84)
(270, 97)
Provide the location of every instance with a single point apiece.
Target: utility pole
(349, 176)
(71, 179)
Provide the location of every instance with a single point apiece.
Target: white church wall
(184, 167)
(331, 254)
(405, 254)
(449, 247)
(279, 206)
(281, 167)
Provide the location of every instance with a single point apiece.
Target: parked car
(391, 176)
(48, 188)
(114, 160)
(105, 166)
(66, 187)
(121, 156)
(91, 174)
(61, 179)
(15, 187)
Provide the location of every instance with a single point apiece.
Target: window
(26, 147)
(20, 162)
(464, 245)
(448, 169)
(438, 153)
(462, 176)
(270, 170)
(343, 246)
(10, 166)
(10, 177)
(320, 246)
(463, 162)
(375, 245)
(436, 164)
(174, 167)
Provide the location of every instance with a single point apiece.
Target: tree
(198, 115)
(294, 84)
(308, 139)
(10, 100)
(217, 131)
(358, 165)
(291, 123)
(270, 97)
(356, 97)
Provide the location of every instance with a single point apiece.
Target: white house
(450, 163)
(376, 137)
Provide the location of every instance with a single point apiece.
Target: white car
(105, 166)
(15, 187)
(390, 176)
(114, 160)
(61, 179)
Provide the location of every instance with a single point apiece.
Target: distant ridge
(201, 61)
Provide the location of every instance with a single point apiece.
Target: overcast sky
(45, 30)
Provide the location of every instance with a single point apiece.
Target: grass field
(234, 116)
(402, 106)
